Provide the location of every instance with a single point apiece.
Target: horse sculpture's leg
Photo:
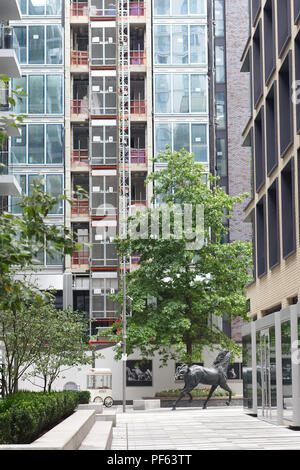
(227, 389)
(213, 388)
(184, 391)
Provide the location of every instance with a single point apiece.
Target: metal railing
(137, 8)
(138, 107)
(138, 156)
(137, 57)
(80, 106)
(8, 40)
(80, 207)
(81, 258)
(80, 157)
(79, 9)
(79, 58)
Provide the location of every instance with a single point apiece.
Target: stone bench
(98, 407)
(146, 404)
(99, 437)
(67, 435)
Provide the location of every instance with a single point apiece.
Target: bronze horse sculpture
(215, 376)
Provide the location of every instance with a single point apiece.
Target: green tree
(13, 96)
(65, 347)
(177, 292)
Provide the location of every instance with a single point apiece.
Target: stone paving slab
(216, 428)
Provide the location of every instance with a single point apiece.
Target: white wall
(163, 378)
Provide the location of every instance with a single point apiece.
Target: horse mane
(222, 359)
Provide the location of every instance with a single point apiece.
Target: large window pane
(36, 45)
(54, 44)
(36, 94)
(162, 93)
(198, 43)
(180, 44)
(286, 370)
(36, 143)
(198, 93)
(54, 143)
(220, 64)
(162, 44)
(199, 142)
(181, 137)
(219, 18)
(179, 7)
(54, 94)
(163, 137)
(220, 110)
(20, 107)
(181, 93)
(15, 200)
(161, 7)
(197, 7)
(54, 7)
(23, 6)
(20, 32)
(18, 147)
(54, 187)
(36, 7)
(35, 179)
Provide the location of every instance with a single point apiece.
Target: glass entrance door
(266, 376)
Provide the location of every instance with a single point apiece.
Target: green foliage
(16, 95)
(25, 415)
(178, 293)
(198, 392)
(84, 396)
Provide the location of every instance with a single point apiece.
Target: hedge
(84, 396)
(25, 415)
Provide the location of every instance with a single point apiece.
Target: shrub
(199, 392)
(25, 415)
(84, 396)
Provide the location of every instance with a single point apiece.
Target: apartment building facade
(271, 56)
(109, 85)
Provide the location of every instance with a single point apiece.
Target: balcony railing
(80, 207)
(79, 9)
(80, 106)
(8, 40)
(137, 107)
(138, 156)
(137, 8)
(137, 57)
(79, 58)
(80, 157)
(108, 9)
(80, 258)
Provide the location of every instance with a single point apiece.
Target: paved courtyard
(216, 428)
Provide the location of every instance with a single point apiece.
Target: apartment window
(256, 4)
(180, 44)
(179, 7)
(273, 225)
(40, 99)
(296, 10)
(221, 110)
(283, 24)
(219, 18)
(288, 209)
(41, 7)
(192, 137)
(253, 220)
(44, 44)
(220, 64)
(257, 65)
(221, 157)
(36, 94)
(261, 235)
(52, 184)
(296, 99)
(259, 149)
(45, 145)
(285, 105)
(271, 129)
(180, 93)
(269, 39)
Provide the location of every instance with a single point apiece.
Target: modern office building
(9, 68)
(110, 84)
(271, 56)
